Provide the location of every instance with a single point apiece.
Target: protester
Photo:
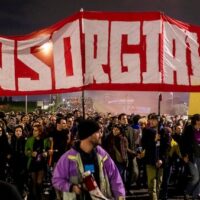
(36, 149)
(25, 123)
(172, 155)
(132, 171)
(88, 155)
(155, 143)
(59, 139)
(4, 152)
(191, 156)
(18, 158)
(118, 150)
(69, 126)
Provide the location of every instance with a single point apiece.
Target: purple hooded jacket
(69, 169)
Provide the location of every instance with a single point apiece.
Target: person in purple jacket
(87, 155)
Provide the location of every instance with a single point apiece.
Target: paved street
(142, 194)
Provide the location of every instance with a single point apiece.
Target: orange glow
(46, 48)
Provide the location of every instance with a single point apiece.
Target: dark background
(19, 17)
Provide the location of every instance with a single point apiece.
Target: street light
(63, 102)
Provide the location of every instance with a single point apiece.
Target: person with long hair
(18, 158)
(36, 149)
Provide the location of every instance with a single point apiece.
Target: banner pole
(83, 60)
(26, 104)
(83, 103)
(159, 102)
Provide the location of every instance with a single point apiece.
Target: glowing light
(47, 47)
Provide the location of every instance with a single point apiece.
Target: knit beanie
(86, 128)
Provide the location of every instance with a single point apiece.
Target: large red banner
(103, 51)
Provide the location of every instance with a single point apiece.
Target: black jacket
(153, 153)
(189, 145)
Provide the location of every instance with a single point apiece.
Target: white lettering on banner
(152, 29)
(131, 61)
(7, 70)
(195, 58)
(174, 63)
(93, 65)
(71, 31)
(24, 54)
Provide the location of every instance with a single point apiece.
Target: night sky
(19, 17)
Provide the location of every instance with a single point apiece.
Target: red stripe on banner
(95, 46)
(142, 51)
(68, 57)
(160, 56)
(122, 16)
(143, 87)
(0, 55)
(188, 60)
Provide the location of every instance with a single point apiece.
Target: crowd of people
(118, 152)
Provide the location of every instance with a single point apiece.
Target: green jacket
(29, 148)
